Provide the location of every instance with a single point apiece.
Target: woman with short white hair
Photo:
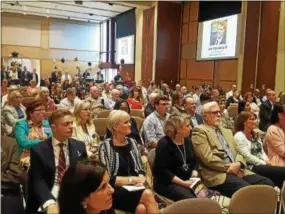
(121, 156)
(44, 97)
(84, 128)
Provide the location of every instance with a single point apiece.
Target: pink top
(275, 145)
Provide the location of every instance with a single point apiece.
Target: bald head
(94, 92)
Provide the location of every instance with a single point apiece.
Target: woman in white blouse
(84, 129)
(250, 145)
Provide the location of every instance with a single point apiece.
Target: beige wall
(45, 54)
(280, 68)
(139, 33)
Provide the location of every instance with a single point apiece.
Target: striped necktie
(230, 156)
(61, 163)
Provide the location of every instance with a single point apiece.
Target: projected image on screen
(217, 39)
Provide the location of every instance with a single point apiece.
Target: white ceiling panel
(89, 10)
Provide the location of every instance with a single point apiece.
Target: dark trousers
(234, 183)
(173, 191)
(274, 173)
(12, 203)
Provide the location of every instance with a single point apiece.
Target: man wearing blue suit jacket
(190, 105)
(47, 158)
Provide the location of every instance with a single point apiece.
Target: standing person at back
(49, 160)
(222, 169)
(266, 110)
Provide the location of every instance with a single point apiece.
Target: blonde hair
(43, 89)
(173, 123)
(78, 108)
(115, 117)
(12, 94)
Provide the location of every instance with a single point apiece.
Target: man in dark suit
(25, 77)
(34, 76)
(219, 38)
(54, 75)
(190, 107)
(266, 110)
(49, 160)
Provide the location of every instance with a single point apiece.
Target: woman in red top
(136, 99)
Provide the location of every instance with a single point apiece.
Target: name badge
(47, 130)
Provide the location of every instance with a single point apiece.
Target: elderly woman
(33, 89)
(175, 161)
(177, 104)
(124, 106)
(135, 99)
(34, 129)
(12, 112)
(125, 166)
(84, 129)
(275, 136)
(43, 97)
(249, 145)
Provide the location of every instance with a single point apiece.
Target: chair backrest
(151, 158)
(26, 100)
(194, 205)
(137, 113)
(254, 199)
(101, 126)
(139, 122)
(233, 110)
(104, 114)
(283, 195)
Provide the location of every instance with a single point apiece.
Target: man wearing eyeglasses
(221, 167)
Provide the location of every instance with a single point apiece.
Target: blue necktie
(226, 147)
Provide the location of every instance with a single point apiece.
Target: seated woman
(177, 104)
(175, 161)
(135, 134)
(85, 189)
(125, 166)
(33, 89)
(248, 97)
(227, 121)
(34, 129)
(11, 178)
(84, 129)
(135, 99)
(249, 145)
(234, 99)
(12, 112)
(275, 137)
(43, 97)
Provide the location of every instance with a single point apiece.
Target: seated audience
(222, 169)
(257, 97)
(11, 178)
(12, 112)
(275, 137)
(106, 93)
(32, 90)
(4, 87)
(234, 99)
(49, 161)
(150, 106)
(43, 97)
(153, 125)
(66, 77)
(177, 103)
(231, 93)
(190, 107)
(135, 134)
(96, 101)
(266, 110)
(204, 98)
(144, 91)
(84, 129)
(109, 104)
(85, 189)
(34, 129)
(125, 166)
(227, 122)
(175, 160)
(135, 99)
(249, 145)
(70, 101)
(57, 94)
(248, 97)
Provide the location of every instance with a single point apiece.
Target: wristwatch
(130, 180)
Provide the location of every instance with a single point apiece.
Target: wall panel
(200, 70)
(193, 30)
(183, 69)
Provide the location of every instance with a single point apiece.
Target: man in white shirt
(66, 76)
(231, 93)
(95, 100)
(190, 107)
(70, 101)
(49, 160)
(109, 104)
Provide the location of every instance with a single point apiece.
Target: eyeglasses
(42, 109)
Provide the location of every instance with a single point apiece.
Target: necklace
(183, 155)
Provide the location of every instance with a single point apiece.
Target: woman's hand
(268, 163)
(187, 183)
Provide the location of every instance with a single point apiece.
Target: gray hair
(115, 117)
(173, 123)
(115, 91)
(208, 106)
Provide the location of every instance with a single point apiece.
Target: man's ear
(53, 127)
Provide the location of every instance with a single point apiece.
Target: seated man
(154, 123)
(49, 160)
(109, 104)
(221, 168)
(95, 101)
(70, 101)
(190, 107)
(150, 107)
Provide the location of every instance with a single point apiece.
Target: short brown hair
(173, 123)
(58, 114)
(31, 106)
(160, 97)
(176, 96)
(241, 119)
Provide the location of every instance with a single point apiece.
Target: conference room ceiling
(88, 11)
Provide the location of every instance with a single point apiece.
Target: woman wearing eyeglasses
(33, 130)
(249, 144)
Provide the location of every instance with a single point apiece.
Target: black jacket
(42, 171)
(265, 115)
